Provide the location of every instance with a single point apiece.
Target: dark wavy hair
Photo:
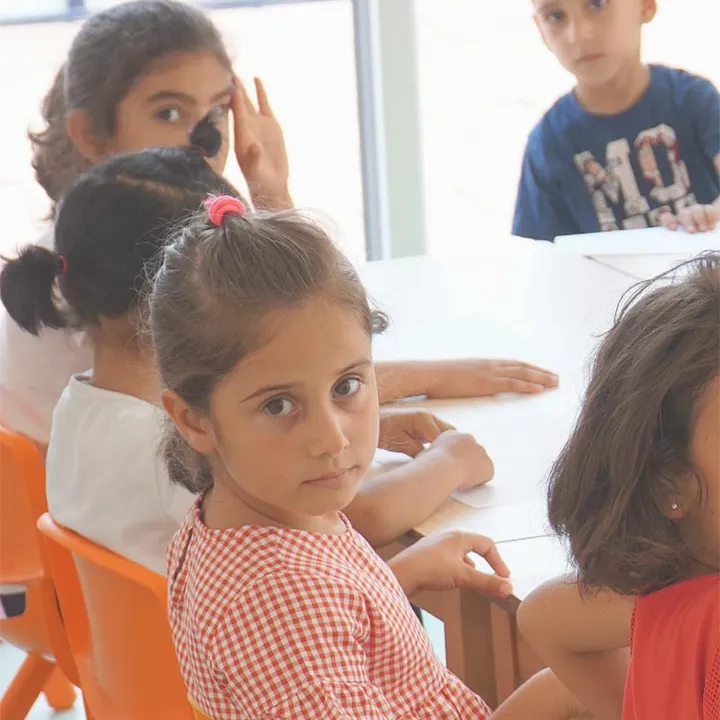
(110, 52)
(110, 224)
(612, 485)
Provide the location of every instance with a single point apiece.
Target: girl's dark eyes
(282, 406)
(555, 17)
(174, 114)
(348, 387)
(279, 407)
(170, 114)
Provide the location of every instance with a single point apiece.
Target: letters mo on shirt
(615, 189)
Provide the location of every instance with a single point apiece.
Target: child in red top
(683, 621)
(636, 492)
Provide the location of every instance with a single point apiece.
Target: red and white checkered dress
(282, 624)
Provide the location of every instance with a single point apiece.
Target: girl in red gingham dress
(279, 609)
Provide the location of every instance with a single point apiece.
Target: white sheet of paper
(649, 241)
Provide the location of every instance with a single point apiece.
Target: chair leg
(59, 691)
(25, 687)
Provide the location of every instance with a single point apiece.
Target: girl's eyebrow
(543, 5)
(272, 389)
(189, 99)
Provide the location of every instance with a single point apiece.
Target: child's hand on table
(418, 431)
(409, 431)
(694, 219)
(441, 562)
(473, 464)
(480, 378)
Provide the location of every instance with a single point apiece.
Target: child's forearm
(394, 501)
(543, 697)
(397, 380)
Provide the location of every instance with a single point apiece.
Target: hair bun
(206, 137)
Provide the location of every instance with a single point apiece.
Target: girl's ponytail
(27, 289)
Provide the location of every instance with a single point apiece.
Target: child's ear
(83, 136)
(194, 427)
(674, 509)
(649, 10)
(684, 500)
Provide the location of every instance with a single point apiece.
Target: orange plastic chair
(198, 714)
(39, 631)
(116, 621)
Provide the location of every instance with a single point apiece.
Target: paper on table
(649, 241)
(641, 267)
(523, 435)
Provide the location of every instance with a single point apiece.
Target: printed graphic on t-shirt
(615, 187)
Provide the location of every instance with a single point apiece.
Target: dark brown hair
(111, 222)
(611, 487)
(110, 52)
(209, 299)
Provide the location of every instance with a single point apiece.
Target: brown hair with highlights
(211, 294)
(612, 485)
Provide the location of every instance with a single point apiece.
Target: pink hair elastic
(63, 265)
(218, 206)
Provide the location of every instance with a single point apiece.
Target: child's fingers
(704, 218)
(487, 584)
(669, 221)
(532, 375)
(529, 366)
(442, 425)
(411, 446)
(487, 549)
(427, 427)
(713, 212)
(515, 385)
(243, 101)
(262, 98)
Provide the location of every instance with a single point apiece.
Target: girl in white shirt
(104, 479)
(139, 75)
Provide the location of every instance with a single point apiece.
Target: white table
(522, 300)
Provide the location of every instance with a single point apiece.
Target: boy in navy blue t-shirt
(632, 146)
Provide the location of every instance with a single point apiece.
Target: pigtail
(27, 289)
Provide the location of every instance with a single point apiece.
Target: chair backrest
(20, 465)
(116, 619)
(40, 628)
(198, 714)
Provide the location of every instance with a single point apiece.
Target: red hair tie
(63, 265)
(218, 206)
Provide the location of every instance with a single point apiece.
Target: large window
(427, 161)
(486, 78)
(303, 51)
